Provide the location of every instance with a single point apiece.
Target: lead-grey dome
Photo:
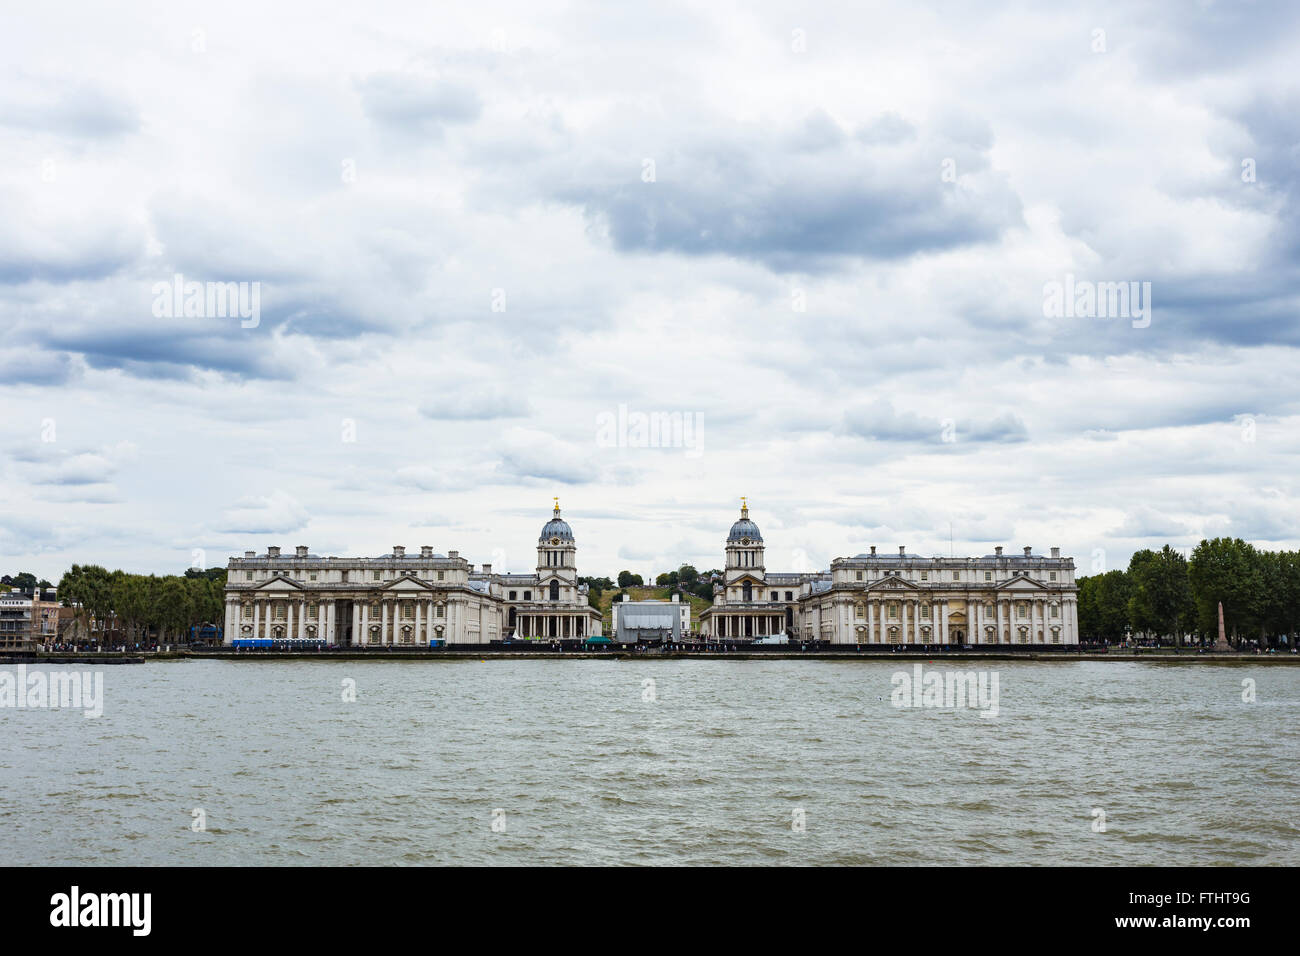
(744, 528)
(557, 527)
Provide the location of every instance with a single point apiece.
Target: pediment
(893, 584)
(407, 583)
(1021, 584)
(274, 585)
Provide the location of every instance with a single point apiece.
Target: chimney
(487, 569)
(677, 598)
(1028, 548)
(426, 550)
(873, 550)
(300, 551)
(998, 551)
(250, 554)
(1056, 552)
(273, 552)
(453, 555)
(399, 551)
(902, 552)
(627, 597)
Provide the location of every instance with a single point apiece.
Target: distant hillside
(607, 598)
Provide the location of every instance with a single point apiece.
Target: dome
(744, 528)
(557, 527)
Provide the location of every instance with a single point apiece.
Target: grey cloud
(881, 422)
(729, 189)
(417, 103)
(82, 110)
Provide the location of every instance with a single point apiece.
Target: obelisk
(1222, 643)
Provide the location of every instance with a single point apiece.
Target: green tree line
(142, 604)
(1163, 594)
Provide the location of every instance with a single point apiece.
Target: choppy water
(712, 771)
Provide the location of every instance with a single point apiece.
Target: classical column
(383, 622)
(302, 617)
(943, 623)
(419, 624)
(257, 618)
(360, 633)
(326, 622)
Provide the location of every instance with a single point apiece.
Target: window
(248, 612)
(925, 575)
(893, 612)
(555, 590)
(514, 595)
(408, 612)
(528, 595)
(1056, 611)
(858, 612)
(440, 575)
(279, 612)
(956, 575)
(925, 611)
(988, 575)
(789, 595)
(776, 596)
(312, 576)
(311, 611)
(439, 614)
(859, 575)
(1022, 611)
(248, 575)
(1051, 576)
(377, 575)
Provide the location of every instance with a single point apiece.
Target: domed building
(549, 604)
(752, 603)
(898, 599)
(404, 600)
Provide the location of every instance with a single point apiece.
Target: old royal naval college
(417, 600)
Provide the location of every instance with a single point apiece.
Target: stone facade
(896, 599)
(407, 600)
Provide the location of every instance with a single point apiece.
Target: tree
(1227, 570)
(89, 587)
(1161, 598)
(627, 579)
(175, 606)
(688, 575)
(1103, 605)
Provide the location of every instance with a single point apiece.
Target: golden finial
(557, 503)
(744, 506)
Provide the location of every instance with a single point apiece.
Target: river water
(646, 761)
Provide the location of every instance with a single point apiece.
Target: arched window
(555, 590)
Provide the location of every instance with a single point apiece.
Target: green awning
(598, 640)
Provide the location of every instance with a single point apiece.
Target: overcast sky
(820, 232)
